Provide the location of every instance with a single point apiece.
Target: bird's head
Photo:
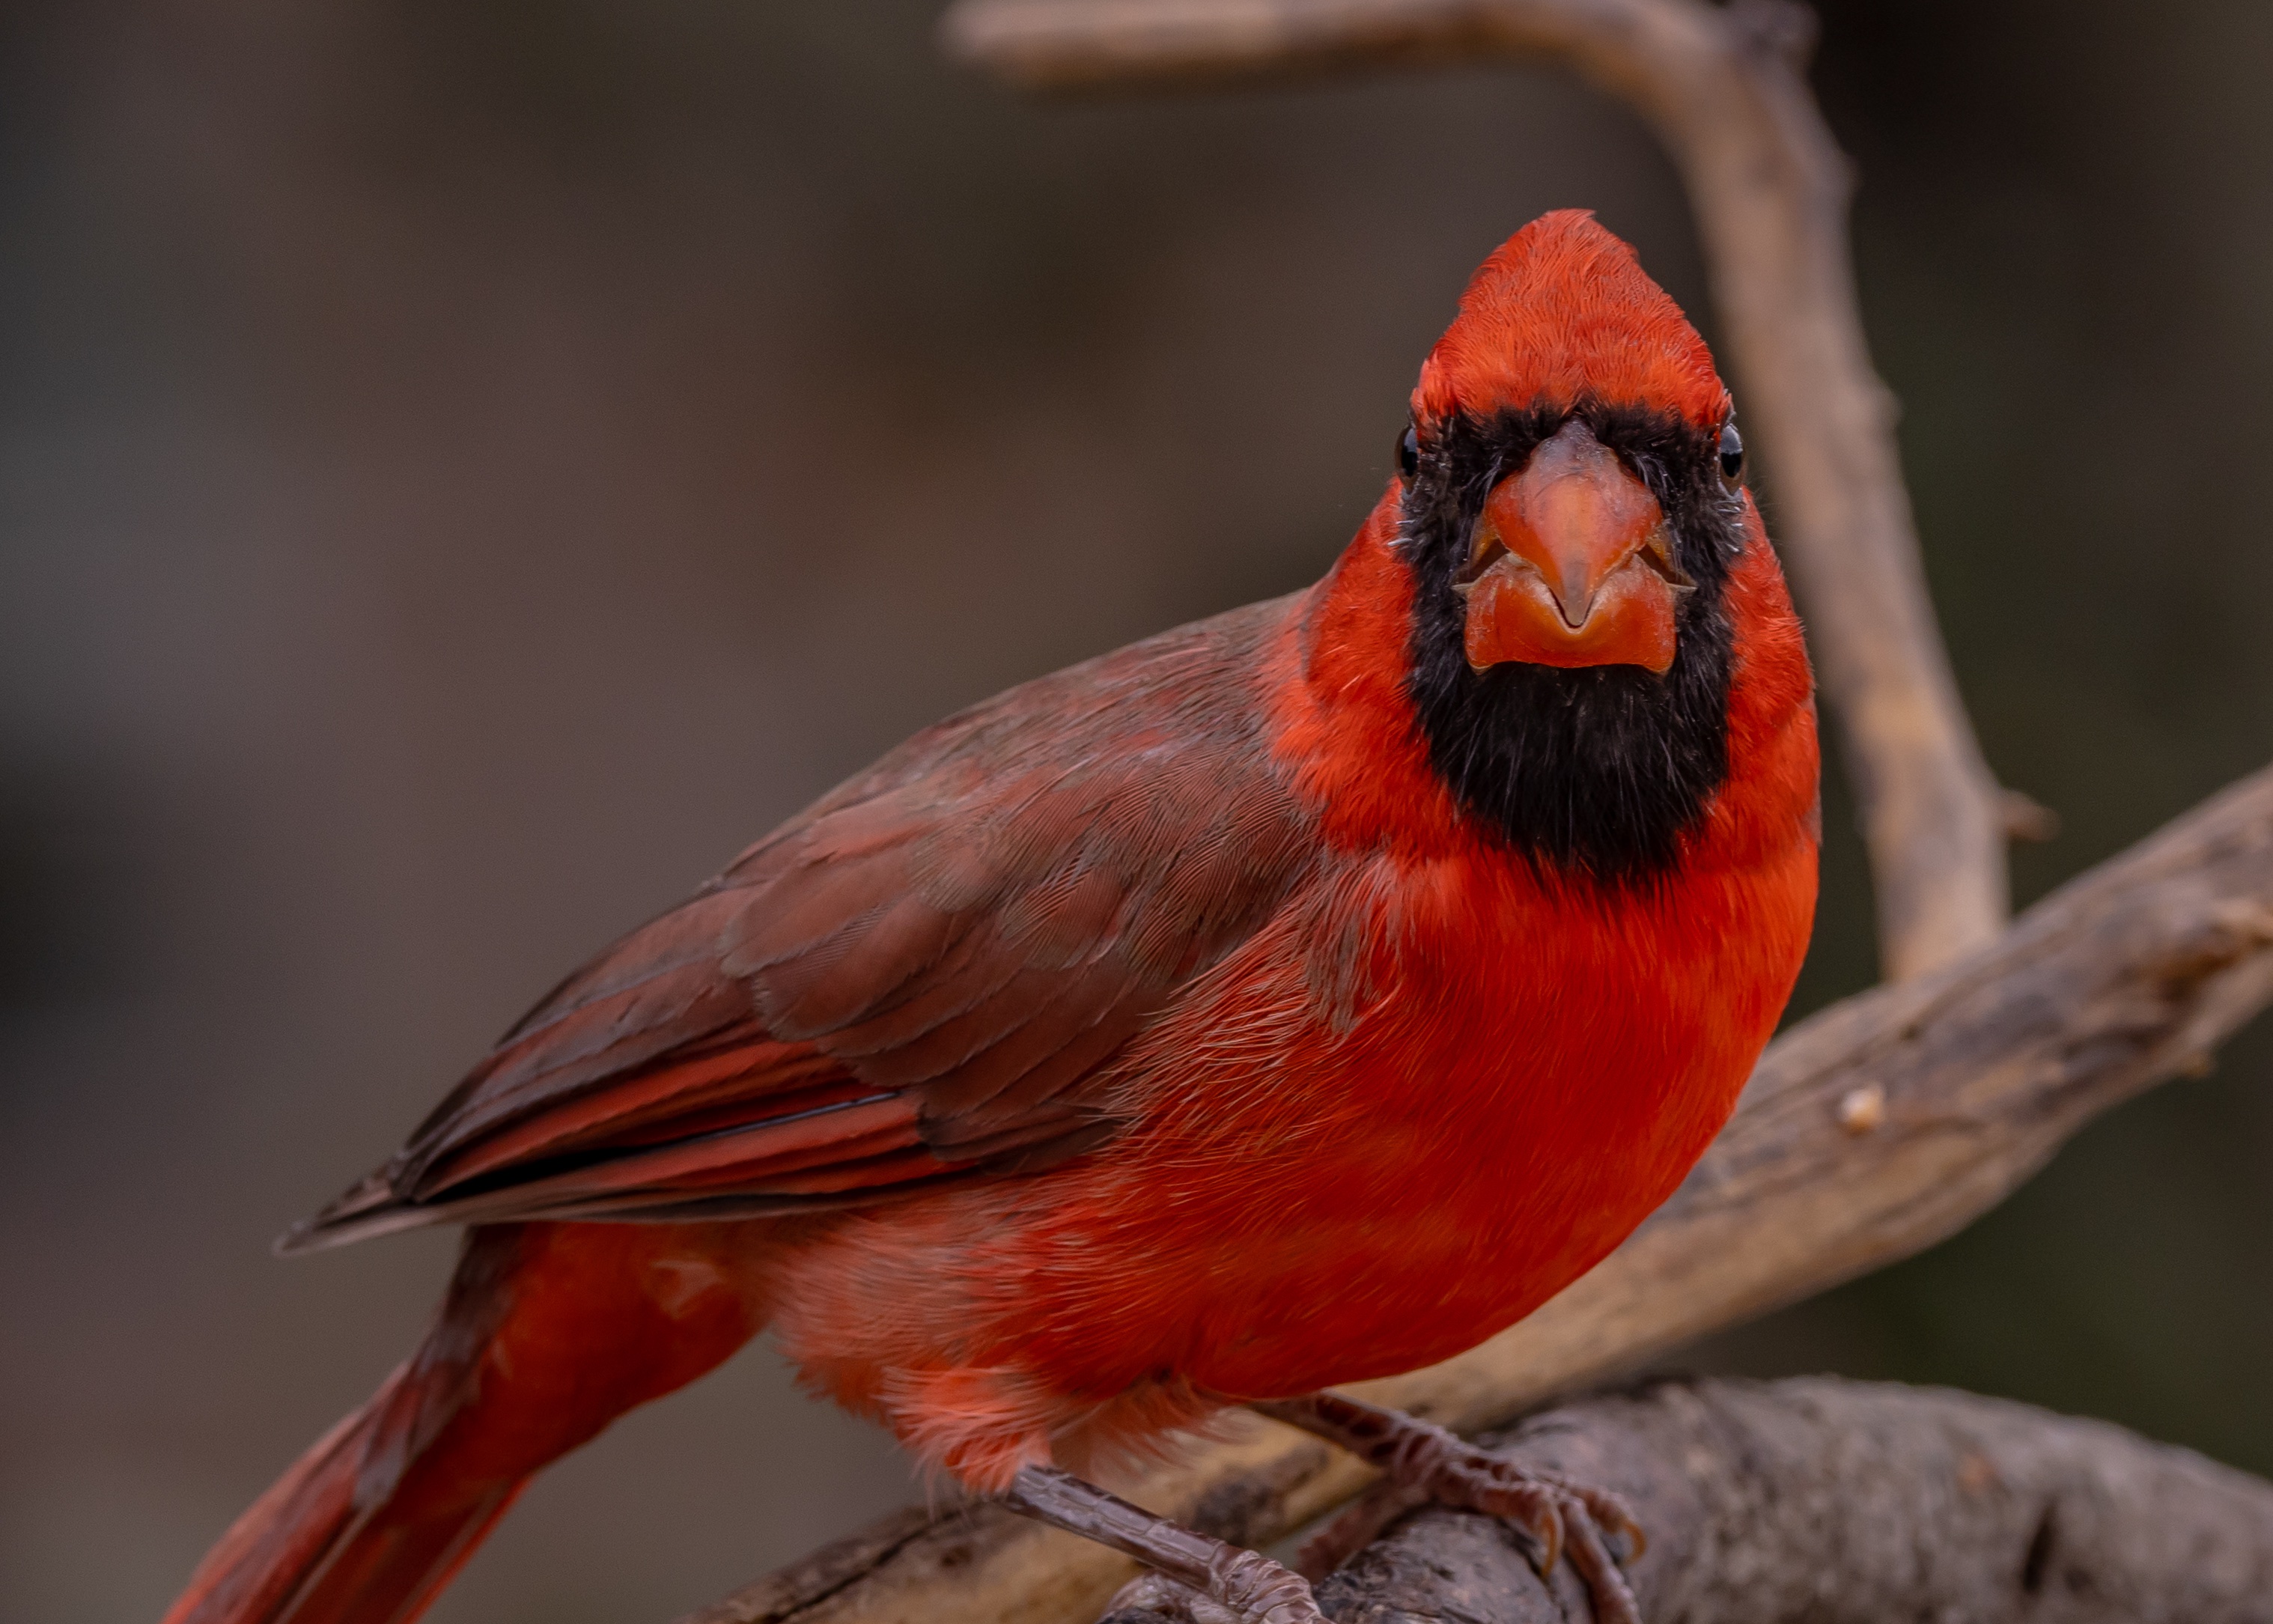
(1571, 508)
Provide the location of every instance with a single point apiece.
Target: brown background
(468, 466)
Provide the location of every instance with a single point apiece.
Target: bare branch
(1723, 88)
(1820, 1501)
(1868, 1132)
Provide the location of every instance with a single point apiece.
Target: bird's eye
(1732, 451)
(1408, 452)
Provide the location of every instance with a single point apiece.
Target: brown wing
(914, 979)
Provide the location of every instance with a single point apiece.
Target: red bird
(1299, 996)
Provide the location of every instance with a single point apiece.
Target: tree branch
(1724, 89)
(1868, 1132)
(1820, 1501)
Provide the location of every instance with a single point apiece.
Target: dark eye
(1408, 452)
(1732, 451)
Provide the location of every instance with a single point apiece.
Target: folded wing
(920, 978)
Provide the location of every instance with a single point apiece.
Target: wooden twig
(1820, 1502)
(1723, 88)
(1867, 1134)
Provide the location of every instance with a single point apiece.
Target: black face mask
(1595, 772)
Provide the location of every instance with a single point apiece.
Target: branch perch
(1723, 88)
(1851, 1503)
(1867, 1134)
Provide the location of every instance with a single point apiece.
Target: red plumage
(1165, 1033)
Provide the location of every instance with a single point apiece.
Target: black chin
(1597, 772)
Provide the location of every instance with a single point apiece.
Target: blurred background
(468, 466)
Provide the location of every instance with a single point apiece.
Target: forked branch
(1867, 1134)
(1724, 89)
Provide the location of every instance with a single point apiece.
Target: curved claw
(1529, 1502)
(1613, 1516)
(1547, 1528)
(1606, 1583)
(1566, 1518)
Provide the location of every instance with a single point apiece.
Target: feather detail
(926, 975)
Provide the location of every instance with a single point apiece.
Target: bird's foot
(1423, 1464)
(1153, 1598)
(1202, 1578)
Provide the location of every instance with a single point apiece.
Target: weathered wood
(1724, 89)
(1820, 1502)
(1867, 1134)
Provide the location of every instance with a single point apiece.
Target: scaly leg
(1250, 1588)
(1422, 1463)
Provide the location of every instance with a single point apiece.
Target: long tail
(549, 1333)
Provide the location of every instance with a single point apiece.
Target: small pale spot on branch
(1863, 1110)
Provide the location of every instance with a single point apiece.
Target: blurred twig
(1868, 1132)
(1724, 87)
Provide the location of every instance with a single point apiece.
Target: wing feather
(926, 975)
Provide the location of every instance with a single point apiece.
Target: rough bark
(1867, 1134)
(1724, 89)
(1820, 1502)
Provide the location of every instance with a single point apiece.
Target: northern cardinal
(1295, 997)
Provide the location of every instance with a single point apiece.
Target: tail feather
(550, 1332)
(262, 1558)
(311, 1549)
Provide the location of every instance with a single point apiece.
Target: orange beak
(1572, 564)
